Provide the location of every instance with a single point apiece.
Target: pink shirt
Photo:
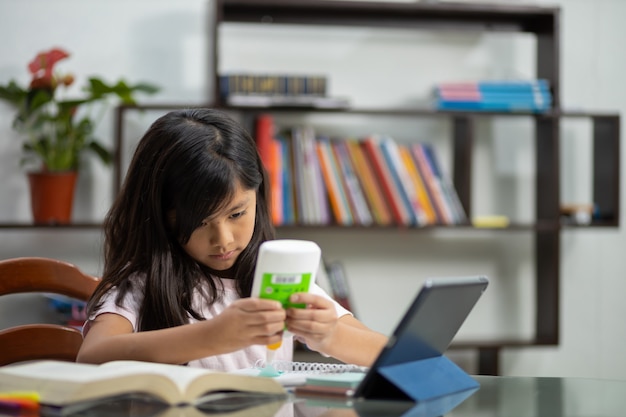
(244, 358)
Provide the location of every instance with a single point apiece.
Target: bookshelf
(541, 22)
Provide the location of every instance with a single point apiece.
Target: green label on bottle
(279, 286)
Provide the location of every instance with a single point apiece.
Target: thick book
(61, 384)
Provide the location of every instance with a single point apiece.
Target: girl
(180, 248)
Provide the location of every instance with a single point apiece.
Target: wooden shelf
(544, 23)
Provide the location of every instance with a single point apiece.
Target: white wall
(165, 42)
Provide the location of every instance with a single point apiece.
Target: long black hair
(187, 163)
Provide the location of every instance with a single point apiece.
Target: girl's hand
(315, 324)
(249, 321)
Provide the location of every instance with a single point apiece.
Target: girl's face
(221, 238)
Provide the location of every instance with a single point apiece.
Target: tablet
(425, 331)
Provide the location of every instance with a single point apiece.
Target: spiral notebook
(296, 373)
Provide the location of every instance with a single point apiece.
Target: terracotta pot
(52, 196)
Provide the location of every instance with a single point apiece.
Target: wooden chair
(42, 341)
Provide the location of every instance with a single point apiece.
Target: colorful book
(447, 186)
(419, 186)
(351, 183)
(392, 193)
(369, 183)
(520, 95)
(337, 195)
(404, 181)
(511, 86)
(432, 184)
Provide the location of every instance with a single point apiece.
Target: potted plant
(58, 130)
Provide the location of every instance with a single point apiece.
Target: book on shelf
(289, 214)
(271, 155)
(340, 288)
(403, 181)
(498, 86)
(272, 84)
(61, 384)
(418, 183)
(432, 184)
(311, 194)
(377, 160)
(370, 184)
(337, 195)
(447, 186)
(352, 186)
(505, 106)
(439, 184)
(515, 95)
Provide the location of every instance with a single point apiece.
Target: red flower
(41, 68)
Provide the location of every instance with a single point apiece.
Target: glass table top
(497, 396)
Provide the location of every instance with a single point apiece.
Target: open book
(64, 383)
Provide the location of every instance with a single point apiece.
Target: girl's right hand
(249, 321)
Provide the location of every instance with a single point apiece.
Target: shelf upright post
(547, 148)
(463, 137)
(606, 162)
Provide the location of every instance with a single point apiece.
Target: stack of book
(316, 180)
(505, 96)
(276, 90)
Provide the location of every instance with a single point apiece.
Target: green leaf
(104, 154)
(13, 93)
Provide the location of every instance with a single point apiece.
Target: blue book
(507, 106)
(289, 205)
(514, 85)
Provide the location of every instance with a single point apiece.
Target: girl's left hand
(316, 323)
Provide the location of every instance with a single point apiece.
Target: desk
(530, 397)
(497, 396)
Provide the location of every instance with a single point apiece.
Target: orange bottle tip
(275, 346)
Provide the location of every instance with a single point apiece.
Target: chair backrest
(42, 341)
